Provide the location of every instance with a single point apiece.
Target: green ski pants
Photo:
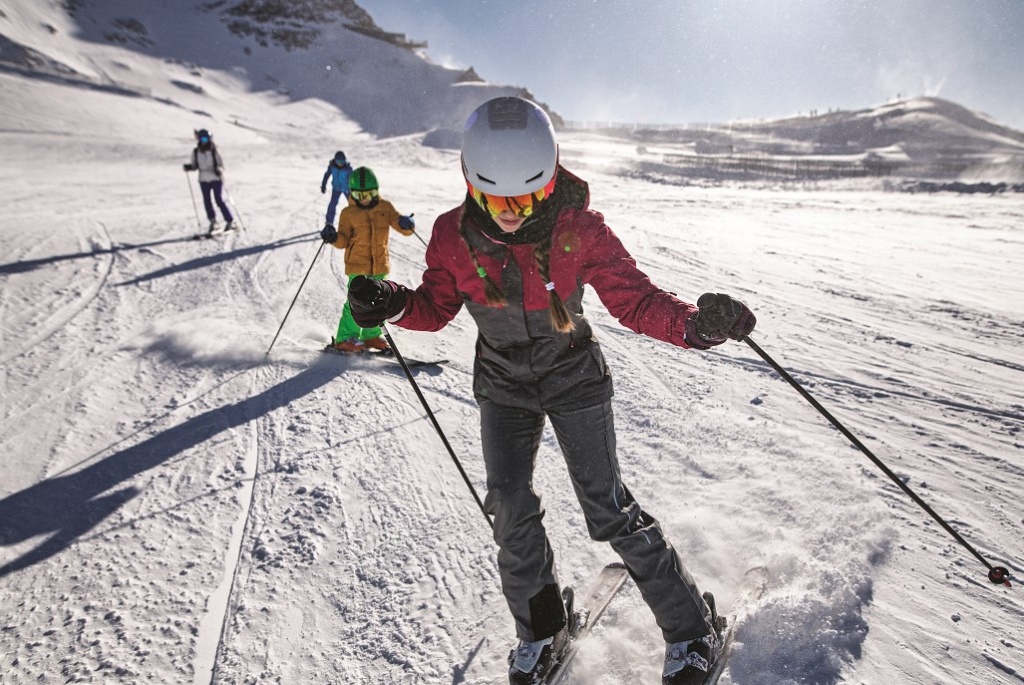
(347, 326)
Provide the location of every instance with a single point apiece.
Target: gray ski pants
(511, 437)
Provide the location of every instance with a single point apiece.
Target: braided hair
(561, 320)
(492, 291)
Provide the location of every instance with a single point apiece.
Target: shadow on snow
(69, 506)
(201, 262)
(32, 264)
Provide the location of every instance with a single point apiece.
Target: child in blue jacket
(338, 170)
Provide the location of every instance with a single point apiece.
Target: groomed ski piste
(178, 507)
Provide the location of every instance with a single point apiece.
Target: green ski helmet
(363, 178)
(362, 186)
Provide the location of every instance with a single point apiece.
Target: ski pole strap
(999, 575)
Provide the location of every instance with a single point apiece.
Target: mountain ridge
(331, 50)
(335, 52)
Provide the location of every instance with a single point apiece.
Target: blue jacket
(338, 175)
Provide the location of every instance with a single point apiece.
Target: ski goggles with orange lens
(364, 195)
(520, 205)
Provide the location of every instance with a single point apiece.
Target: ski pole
(422, 241)
(241, 221)
(188, 182)
(295, 298)
(999, 575)
(437, 426)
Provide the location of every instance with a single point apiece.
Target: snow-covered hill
(922, 138)
(177, 507)
(329, 50)
(926, 127)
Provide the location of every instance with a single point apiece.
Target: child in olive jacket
(363, 232)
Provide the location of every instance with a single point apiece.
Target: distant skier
(338, 171)
(363, 232)
(517, 253)
(207, 161)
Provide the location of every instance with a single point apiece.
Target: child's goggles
(364, 195)
(520, 205)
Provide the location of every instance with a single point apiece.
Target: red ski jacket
(521, 360)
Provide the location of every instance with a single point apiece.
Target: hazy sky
(679, 61)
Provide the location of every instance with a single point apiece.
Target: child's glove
(189, 167)
(372, 301)
(329, 233)
(406, 223)
(323, 189)
(719, 318)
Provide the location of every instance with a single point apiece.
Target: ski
(215, 233)
(584, 612)
(589, 609)
(755, 583)
(411, 363)
(387, 357)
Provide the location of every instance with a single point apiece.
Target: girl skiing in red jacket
(517, 254)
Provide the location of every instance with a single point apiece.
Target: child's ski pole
(417, 234)
(295, 298)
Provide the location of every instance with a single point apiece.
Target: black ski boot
(689, 662)
(530, 662)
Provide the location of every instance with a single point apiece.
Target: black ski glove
(372, 301)
(719, 318)
(323, 189)
(406, 223)
(189, 167)
(329, 233)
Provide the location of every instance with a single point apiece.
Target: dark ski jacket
(520, 359)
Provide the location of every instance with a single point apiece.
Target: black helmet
(204, 137)
(339, 158)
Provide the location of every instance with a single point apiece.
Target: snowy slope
(184, 52)
(176, 507)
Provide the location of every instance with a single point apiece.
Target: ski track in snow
(142, 424)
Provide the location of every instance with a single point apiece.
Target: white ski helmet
(509, 148)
